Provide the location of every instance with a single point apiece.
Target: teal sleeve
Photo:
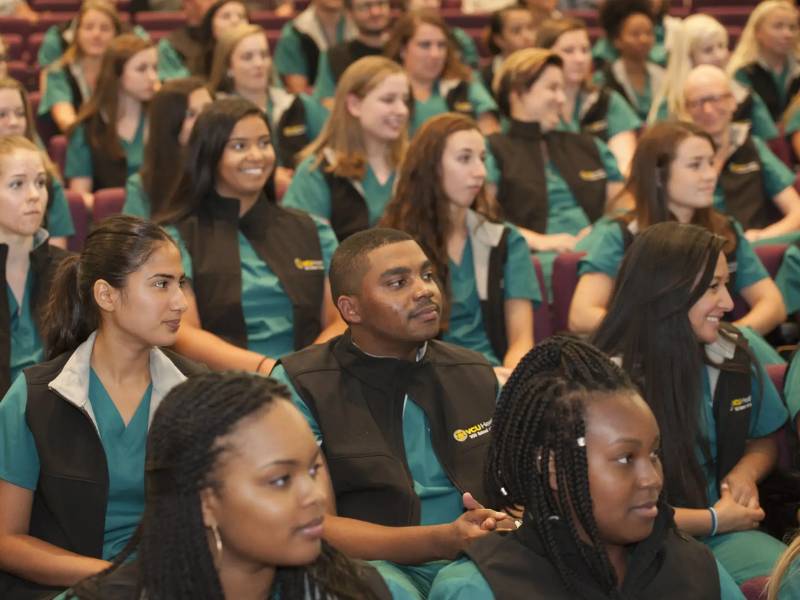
(460, 580)
(519, 273)
(777, 176)
(764, 353)
(741, 77)
(141, 32)
(490, 162)
(788, 280)
(56, 90)
(749, 268)
(603, 51)
(769, 413)
(324, 85)
(316, 115)
(50, 50)
(793, 124)
(136, 201)
(289, 56)
(59, 219)
(727, 586)
(469, 51)
(791, 387)
(620, 117)
(170, 63)
(609, 161)
(278, 373)
(327, 240)
(480, 98)
(19, 459)
(186, 258)
(606, 250)
(79, 156)
(309, 191)
(761, 123)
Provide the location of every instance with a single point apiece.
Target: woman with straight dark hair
(74, 427)
(714, 403)
(214, 511)
(258, 271)
(170, 118)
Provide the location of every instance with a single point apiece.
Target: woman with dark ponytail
(235, 496)
(73, 428)
(576, 446)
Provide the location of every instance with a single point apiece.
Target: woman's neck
(257, 97)
(118, 358)
(422, 89)
(377, 153)
(571, 91)
(683, 214)
(458, 221)
(775, 62)
(617, 558)
(245, 582)
(128, 107)
(634, 66)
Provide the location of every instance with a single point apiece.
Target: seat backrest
(80, 218)
(771, 256)
(57, 149)
(107, 202)
(542, 316)
(565, 280)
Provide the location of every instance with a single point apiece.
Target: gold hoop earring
(217, 541)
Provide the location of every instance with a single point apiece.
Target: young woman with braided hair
(235, 497)
(576, 446)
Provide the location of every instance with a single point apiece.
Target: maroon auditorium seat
(753, 589)
(542, 316)
(14, 25)
(729, 15)
(80, 218)
(771, 256)
(565, 279)
(160, 20)
(107, 203)
(15, 46)
(57, 149)
(268, 20)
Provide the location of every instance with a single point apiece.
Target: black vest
(668, 564)
(345, 54)
(522, 190)
(44, 261)
(349, 212)
(291, 133)
(487, 74)
(45, 123)
(69, 504)
(744, 110)
(310, 51)
(595, 120)
(285, 239)
(188, 44)
(742, 183)
(493, 309)
(764, 85)
(357, 400)
(107, 171)
(457, 100)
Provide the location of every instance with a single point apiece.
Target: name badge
(597, 126)
(744, 168)
(309, 264)
(294, 130)
(474, 432)
(740, 404)
(595, 175)
(462, 106)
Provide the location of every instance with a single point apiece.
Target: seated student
(602, 485)
(788, 279)
(553, 200)
(170, 117)
(303, 39)
(206, 454)
(242, 67)
(510, 29)
(27, 260)
(423, 44)
(259, 287)
(484, 264)
(681, 156)
(464, 42)
(107, 141)
(702, 40)
(408, 487)
(766, 57)
(18, 8)
(181, 53)
(601, 112)
(16, 118)
(754, 186)
(785, 569)
(664, 322)
(71, 80)
(629, 27)
(72, 476)
(347, 175)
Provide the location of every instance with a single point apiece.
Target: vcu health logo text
(462, 435)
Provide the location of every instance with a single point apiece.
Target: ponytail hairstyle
(540, 414)
(185, 447)
(117, 247)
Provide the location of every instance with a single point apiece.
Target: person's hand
(474, 523)
(732, 516)
(584, 232)
(743, 489)
(753, 235)
(502, 374)
(283, 177)
(557, 242)
(265, 366)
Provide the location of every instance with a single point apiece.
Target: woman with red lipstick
(715, 405)
(575, 444)
(236, 490)
(483, 263)
(74, 427)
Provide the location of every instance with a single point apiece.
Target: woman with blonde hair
(702, 40)
(348, 173)
(766, 57)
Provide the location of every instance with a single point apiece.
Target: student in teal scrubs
(788, 279)
(183, 52)
(258, 271)
(170, 118)
(440, 81)
(510, 29)
(107, 141)
(595, 521)
(682, 156)
(767, 57)
(347, 175)
(16, 118)
(74, 427)
(466, 45)
(791, 389)
(69, 82)
(716, 407)
(442, 202)
(601, 112)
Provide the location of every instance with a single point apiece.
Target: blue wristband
(714, 521)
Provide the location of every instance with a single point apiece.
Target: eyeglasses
(368, 6)
(714, 100)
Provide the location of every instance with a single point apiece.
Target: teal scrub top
(440, 500)
(52, 47)
(477, 95)
(603, 50)
(268, 316)
(124, 448)
(642, 100)
(310, 192)
(79, 156)
(26, 345)
(170, 63)
(788, 280)
(59, 218)
(469, 51)
(466, 327)
(324, 84)
(791, 387)
(620, 116)
(137, 202)
(57, 90)
(289, 56)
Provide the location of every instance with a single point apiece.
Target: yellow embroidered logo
(596, 126)
(293, 130)
(740, 404)
(308, 264)
(743, 168)
(462, 435)
(595, 175)
(463, 106)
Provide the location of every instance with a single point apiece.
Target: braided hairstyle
(539, 417)
(183, 449)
